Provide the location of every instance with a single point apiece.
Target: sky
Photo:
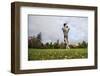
(51, 28)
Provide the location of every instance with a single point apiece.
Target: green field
(51, 54)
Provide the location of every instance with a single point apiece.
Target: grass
(51, 54)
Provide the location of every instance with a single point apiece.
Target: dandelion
(82, 56)
(66, 56)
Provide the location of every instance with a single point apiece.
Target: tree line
(36, 42)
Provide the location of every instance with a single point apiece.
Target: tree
(83, 44)
(47, 45)
(30, 42)
(39, 37)
(56, 44)
(35, 42)
(51, 45)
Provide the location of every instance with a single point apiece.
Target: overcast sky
(51, 28)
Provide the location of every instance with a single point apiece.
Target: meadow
(52, 54)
